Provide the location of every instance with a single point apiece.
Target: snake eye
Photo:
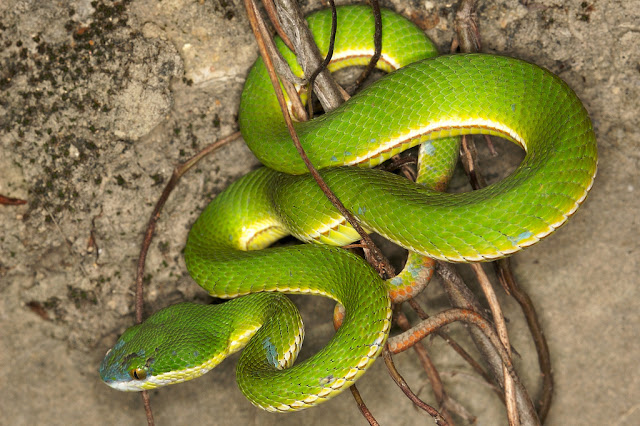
(138, 374)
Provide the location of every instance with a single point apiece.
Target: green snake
(424, 99)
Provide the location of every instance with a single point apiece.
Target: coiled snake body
(421, 102)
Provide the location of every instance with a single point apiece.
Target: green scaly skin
(420, 103)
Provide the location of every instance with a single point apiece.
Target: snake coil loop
(420, 103)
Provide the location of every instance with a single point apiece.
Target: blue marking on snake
(272, 353)
(429, 149)
(415, 271)
(397, 281)
(519, 238)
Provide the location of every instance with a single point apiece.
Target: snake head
(125, 366)
(171, 346)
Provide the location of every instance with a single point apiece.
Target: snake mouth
(123, 382)
(126, 386)
(113, 377)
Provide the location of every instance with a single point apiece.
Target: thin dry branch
(461, 297)
(147, 408)
(327, 59)
(508, 281)
(270, 7)
(402, 384)
(362, 406)
(468, 39)
(469, 158)
(309, 57)
(405, 340)
(466, 23)
(459, 350)
(280, 65)
(430, 369)
(501, 327)
(377, 39)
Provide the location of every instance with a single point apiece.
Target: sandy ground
(98, 102)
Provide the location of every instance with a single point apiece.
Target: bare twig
(297, 107)
(507, 279)
(510, 285)
(377, 40)
(147, 408)
(404, 341)
(287, 77)
(270, 7)
(363, 407)
(430, 369)
(281, 66)
(492, 149)
(309, 57)
(456, 347)
(468, 156)
(461, 297)
(468, 38)
(327, 58)
(466, 23)
(402, 384)
(501, 327)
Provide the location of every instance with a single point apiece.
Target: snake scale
(423, 99)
